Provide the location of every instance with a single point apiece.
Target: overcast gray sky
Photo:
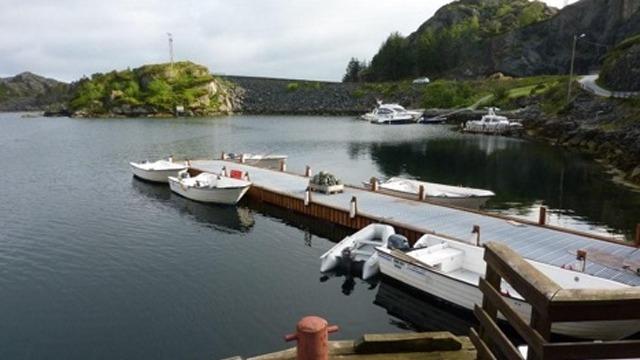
(311, 39)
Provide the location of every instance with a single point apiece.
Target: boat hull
(159, 176)
(471, 202)
(226, 196)
(394, 121)
(466, 296)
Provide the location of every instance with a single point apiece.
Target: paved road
(588, 83)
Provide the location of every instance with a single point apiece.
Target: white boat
(267, 161)
(450, 270)
(209, 188)
(359, 248)
(433, 192)
(392, 114)
(491, 123)
(157, 171)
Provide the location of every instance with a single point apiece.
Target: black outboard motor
(398, 242)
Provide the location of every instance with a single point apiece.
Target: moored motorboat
(157, 171)
(209, 188)
(358, 249)
(391, 114)
(450, 270)
(433, 192)
(268, 161)
(491, 123)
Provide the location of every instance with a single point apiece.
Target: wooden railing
(549, 304)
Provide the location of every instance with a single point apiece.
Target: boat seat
(369, 242)
(444, 259)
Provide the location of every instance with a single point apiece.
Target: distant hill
(31, 92)
(470, 38)
(152, 90)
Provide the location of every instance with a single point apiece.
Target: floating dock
(357, 207)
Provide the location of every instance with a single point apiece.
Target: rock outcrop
(31, 92)
(182, 88)
(545, 47)
(621, 69)
(472, 38)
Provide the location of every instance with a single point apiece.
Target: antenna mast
(170, 49)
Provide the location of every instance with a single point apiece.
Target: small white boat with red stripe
(211, 188)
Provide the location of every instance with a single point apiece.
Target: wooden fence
(549, 303)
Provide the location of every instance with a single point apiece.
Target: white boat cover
(433, 189)
(211, 181)
(160, 165)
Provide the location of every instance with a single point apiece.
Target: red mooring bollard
(312, 334)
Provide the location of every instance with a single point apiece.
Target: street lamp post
(573, 57)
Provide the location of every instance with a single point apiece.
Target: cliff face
(153, 90)
(621, 69)
(30, 92)
(470, 38)
(545, 47)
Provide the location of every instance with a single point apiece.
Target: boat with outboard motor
(451, 270)
(491, 123)
(461, 196)
(358, 249)
(391, 114)
(157, 171)
(209, 187)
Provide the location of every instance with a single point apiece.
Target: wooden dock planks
(412, 218)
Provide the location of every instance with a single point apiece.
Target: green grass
(161, 86)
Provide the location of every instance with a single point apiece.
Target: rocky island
(181, 88)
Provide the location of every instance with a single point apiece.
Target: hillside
(30, 92)
(621, 69)
(152, 90)
(470, 38)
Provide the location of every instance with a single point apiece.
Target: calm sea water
(97, 265)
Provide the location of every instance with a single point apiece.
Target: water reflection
(228, 219)
(312, 227)
(524, 175)
(350, 279)
(420, 312)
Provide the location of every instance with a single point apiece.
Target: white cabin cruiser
(268, 161)
(491, 123)
(392, 114)
(450, 270)
(157, 171)
(359, 248)
(209, 188)
(433, 192)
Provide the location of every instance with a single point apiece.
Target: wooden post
(476, 230)
(374, 184)
(307, 171)
(242, 158)
(222, 155)
(421, 193)
(582, 256)
(307, 197)
(283, 165)
(353, 208)
(542, 219)
(637, 235)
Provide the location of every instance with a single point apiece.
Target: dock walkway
(539, 243)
